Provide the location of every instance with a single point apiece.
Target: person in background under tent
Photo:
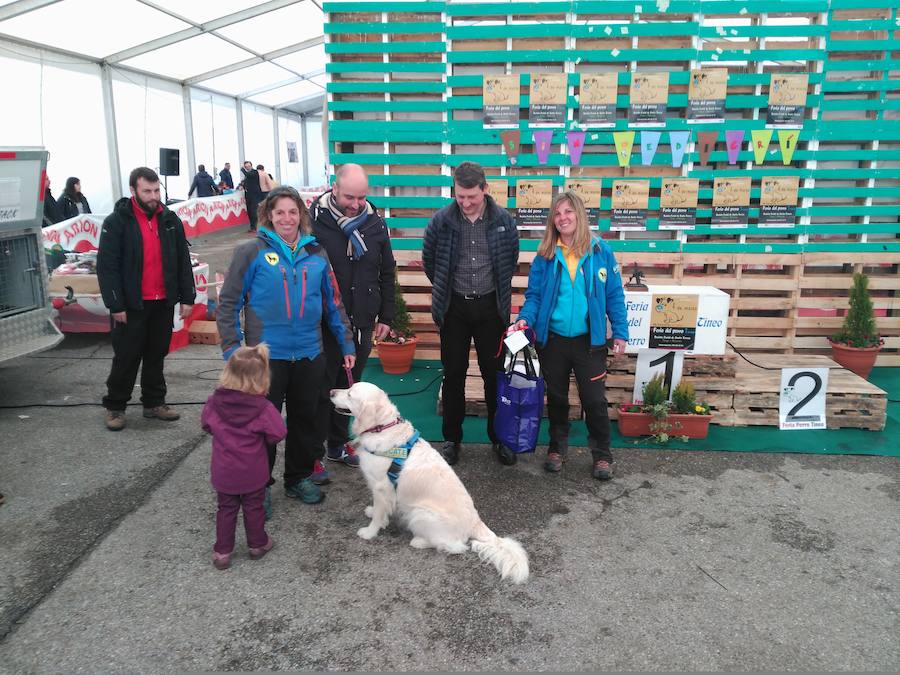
(51, 211)
(252, 193)
(203, 183)
(72, 201)
(225, 176)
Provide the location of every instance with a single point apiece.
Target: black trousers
(296, 385)
(142, 342)
(337, 427)
(558, 359)
(467, 320)
(253, 201)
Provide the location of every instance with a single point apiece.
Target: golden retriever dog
(429, 497)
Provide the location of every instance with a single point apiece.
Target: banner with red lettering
(208, 214)
(80, 234)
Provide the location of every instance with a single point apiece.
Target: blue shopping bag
(520, 401)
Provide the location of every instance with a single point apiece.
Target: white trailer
(26, 322)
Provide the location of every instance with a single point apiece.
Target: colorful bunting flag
(624, 143)
(787, 139)
(706, 142)
(679, 141)
(760, 139)
(542, 138)
(511, 141)
(734, 139)
(575, 141)
(649, 143)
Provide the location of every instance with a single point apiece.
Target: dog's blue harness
(399, 454)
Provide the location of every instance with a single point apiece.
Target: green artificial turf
(415, 394)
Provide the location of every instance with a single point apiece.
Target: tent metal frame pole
(304, 149)
(277, 136)
(112, 136)
(239, 109)
(189, 133)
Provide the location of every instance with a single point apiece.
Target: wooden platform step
(747, 398)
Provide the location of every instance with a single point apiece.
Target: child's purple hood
(236, 406)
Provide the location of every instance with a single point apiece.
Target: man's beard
(148, 207)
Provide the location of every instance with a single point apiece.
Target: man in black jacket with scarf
(144, 269)
(358, 244)
(470, 253)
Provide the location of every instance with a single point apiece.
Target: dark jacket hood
(236, 406)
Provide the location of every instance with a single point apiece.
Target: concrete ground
(685, 561)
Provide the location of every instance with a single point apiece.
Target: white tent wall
(289, 132)
(315, 159)
(259, 136)
(215, 132)
(58, 104)
(150, 116)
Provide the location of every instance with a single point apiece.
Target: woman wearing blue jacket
(573, 286)
(283, 282)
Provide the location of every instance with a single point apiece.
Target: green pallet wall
(404, 97)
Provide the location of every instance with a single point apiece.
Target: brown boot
(161, 412)
(115, 420)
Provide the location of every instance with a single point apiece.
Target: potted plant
(857, 344)
(634, 418)
(688, 417)
(656, 417)
(396, 351)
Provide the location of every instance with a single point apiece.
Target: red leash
(349, 376)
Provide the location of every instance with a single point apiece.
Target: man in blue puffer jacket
(573, 286)
(283, 282)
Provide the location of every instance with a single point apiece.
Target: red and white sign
(79, 234)
(208, 214)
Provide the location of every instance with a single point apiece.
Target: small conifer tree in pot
(857, 344)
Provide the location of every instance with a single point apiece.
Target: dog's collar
(381, 427)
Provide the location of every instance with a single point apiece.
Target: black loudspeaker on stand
(169, 162)
(169, 165)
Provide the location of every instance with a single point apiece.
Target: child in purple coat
(242, 421)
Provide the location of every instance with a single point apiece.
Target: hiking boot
(554, 462)
(161, 412)
(267, 502)
(320, 474)
(504, 455)
(602, 470)
(343, 453)
(450, 452)
(257, 553)
(115, 420)
(221, 561)
(306, 491)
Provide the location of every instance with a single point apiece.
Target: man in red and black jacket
(144, 270)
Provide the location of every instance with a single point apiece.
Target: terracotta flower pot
(692, 426)
(396, 358)
(638, 424)
(634, 423)
(859, 360)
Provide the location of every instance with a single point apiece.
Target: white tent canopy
(103, 85)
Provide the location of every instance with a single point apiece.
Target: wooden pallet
(405, 100)
(749, 397)
(851, 402)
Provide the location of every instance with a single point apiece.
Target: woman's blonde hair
(267, 205)
(247, 370)
(582, 239)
